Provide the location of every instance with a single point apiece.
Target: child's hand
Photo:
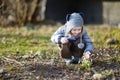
(87, 62)
(64, 40)
(86, 55)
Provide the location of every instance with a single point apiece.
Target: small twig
(94, 71)
(14, 61)
(11, 60)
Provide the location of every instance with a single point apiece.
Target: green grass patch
(20, 40)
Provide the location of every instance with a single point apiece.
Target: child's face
(76, 31)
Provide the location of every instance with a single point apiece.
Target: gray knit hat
(73, 20)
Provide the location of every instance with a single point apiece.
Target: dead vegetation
(17, 12)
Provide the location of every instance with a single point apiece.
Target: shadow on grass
(47, 70)
(26, 36)
(106, 65)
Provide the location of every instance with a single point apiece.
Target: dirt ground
(106, 66)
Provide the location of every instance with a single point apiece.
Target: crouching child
(73, 40)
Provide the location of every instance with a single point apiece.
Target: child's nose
(77, 32)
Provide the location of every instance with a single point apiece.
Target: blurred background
(21, 12)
